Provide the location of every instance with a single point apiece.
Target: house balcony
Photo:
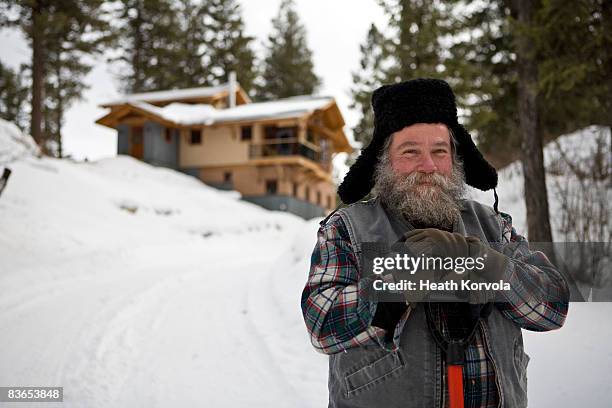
(287, 147)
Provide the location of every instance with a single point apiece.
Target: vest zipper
(443, 387)
(442, 382)
(488, 353)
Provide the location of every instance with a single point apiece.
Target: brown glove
(438, 243)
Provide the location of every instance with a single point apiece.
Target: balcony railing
(287, 147)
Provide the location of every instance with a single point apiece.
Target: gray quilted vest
(411, 377)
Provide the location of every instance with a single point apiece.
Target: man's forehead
(418, 134)
(436, 142)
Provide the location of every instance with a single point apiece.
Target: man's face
(417, 178)
(422, 147)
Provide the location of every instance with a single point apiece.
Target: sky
(335, 30)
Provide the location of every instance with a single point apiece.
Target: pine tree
(64, 84)
(525, 81)
(481, 66)
(150, 49)
(32, 17)
(194, 60)
(370, 76)
(288, 69)
(409, 51)
(575, 64)
(13, 95)
(532, 159)
(64, 33)
(228, 47)
(167, 45)
(414, 45)
(75, 36)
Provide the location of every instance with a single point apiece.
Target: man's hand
(437, 243)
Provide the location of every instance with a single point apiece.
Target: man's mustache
(433, 179)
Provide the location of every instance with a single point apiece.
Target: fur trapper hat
(397, 106)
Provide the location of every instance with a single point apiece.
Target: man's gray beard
(437, 205)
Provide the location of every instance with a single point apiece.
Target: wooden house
(276, 154)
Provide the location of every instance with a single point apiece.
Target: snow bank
(14, 144)
(72, 207)
(579, 145)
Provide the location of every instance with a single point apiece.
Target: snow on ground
(131, 285)
(13, 144)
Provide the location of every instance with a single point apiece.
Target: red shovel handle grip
(455, 386)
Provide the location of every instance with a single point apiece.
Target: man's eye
(440, 151)
(409, 152)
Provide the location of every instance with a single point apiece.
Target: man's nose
(427, 164)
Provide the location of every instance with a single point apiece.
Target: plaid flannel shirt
(339, 316)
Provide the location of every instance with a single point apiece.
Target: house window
(196, 136)
(271, 186)
(167, 135)
(273, 132)
(310, 136)
(227, 177)
(295, 189)
(318, 198)
(307, 193)
(329, 201)
(246, 133)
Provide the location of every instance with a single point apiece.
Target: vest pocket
(364, 377)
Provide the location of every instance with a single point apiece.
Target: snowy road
(140, 328)
(145, 329)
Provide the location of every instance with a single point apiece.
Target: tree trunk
(536, 197)
(59, 108)
(59, 117)
(137, 63)
(58, 129)
(37, 75)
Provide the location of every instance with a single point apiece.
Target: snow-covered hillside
(14, 144)
(131, 285)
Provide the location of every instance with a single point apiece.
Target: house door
(136, 143)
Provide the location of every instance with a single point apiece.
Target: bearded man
(400, 354)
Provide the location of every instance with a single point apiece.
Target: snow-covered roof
(171, 95)
(190, 114)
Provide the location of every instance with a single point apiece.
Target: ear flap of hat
(478, 172)
(359, 180)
